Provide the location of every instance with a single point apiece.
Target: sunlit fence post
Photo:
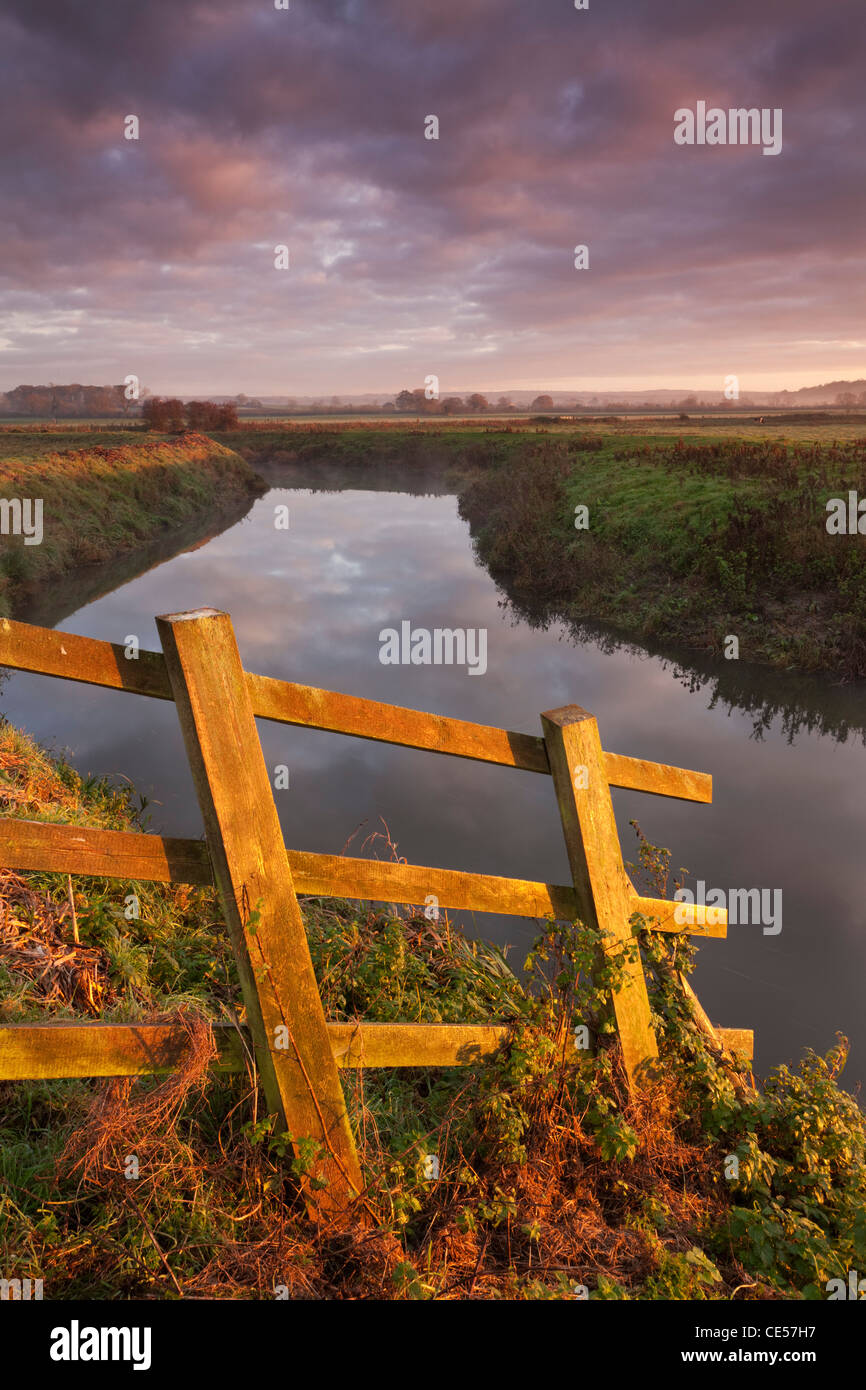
(284, 1010)
(604, 894)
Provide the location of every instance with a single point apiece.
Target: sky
(411, 257)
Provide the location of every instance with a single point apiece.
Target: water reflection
(794, 701)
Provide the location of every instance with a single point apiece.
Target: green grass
(24, 443)
(687, 543)
(105, 499)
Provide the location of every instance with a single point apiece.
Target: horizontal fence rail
(84, 659)
(36, 846)
(41, 1051)
(31, 1051)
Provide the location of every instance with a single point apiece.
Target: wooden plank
(383, 881)
(605, 897)
(28, 648)
(663, 910)
(331, 875)
(742, 1084)
(39, 847)
(33, 1051)
(37, 1051)
(284, 1010)
(737, 1040)
(700, 1014)
(288, 703)
(659, 779)
(414, 1044)
(25, 647)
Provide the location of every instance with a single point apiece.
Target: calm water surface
(308, 605)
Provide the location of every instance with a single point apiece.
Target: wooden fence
(298, 1051)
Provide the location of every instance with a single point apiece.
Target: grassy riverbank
(549, 1177)
(686, 542)
(105, 496)
(691, 538)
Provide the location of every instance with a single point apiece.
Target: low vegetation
(684, 541)
(549, 1182)
(103, 499)
(165, 415)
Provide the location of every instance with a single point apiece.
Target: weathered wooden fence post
(251, 866)
(601, 886)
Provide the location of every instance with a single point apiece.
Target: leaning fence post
(600, 882)
(284, 1008)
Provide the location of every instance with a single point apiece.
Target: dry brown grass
(123, 1110)
(37, 942)
(575, 1214)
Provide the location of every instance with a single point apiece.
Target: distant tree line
(66, 402)
(167, 416)
(417, 403)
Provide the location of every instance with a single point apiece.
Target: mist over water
(308, 604)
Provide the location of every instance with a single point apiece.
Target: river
(308, 604)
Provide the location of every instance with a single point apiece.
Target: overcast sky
(410, 256)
